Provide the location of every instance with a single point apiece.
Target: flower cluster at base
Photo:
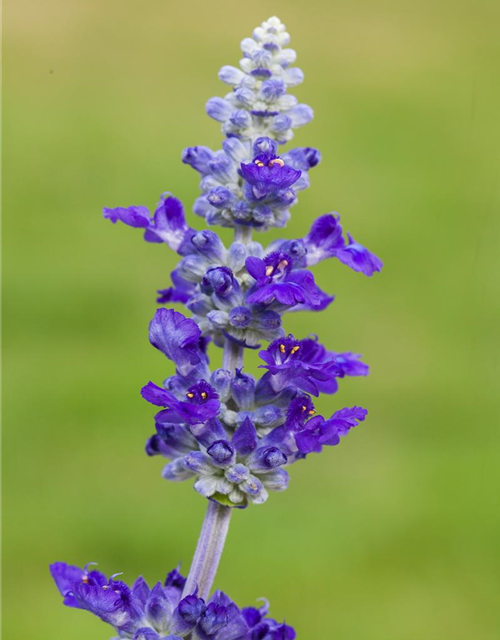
(162, 613)
(236, 434)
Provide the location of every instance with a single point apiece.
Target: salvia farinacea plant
(233, 435)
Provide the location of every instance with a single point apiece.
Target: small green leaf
(226, 502)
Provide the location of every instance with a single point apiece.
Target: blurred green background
(394, 535)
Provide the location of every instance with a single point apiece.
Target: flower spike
(233, 434)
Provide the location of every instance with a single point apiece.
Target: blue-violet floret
(139, 612)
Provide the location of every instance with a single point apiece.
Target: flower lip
(201, 392)
(268, 173)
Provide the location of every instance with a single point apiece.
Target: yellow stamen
(283, 264)
(295, 349)
(85, 579)
(282, 348)
(277, 161)
(303, 407)
(312, 412)
(203, 395)
(259, 163)
(190, 395)
(269, 270)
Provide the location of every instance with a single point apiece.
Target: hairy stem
(232, 358)
(242, 234)
(217, 517)
(209, 550)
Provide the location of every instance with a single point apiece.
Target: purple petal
(324, 238)
(307, 442)
(157, 396)
(256, 267)
(138, 217)
(177, 337)
(269, 179)
(170, 223)
(245, 438)
(65, 576)
(359, 258)
(351, 364)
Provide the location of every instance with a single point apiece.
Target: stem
(208, 550)
(242, 234)
(216, 523)
(232, 358)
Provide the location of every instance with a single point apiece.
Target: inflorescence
(163, 613)
(235, 434)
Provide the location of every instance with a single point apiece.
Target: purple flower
(138, 612)
(66, 576)
(135, 216)
(305, 364)
(359, 258)
(263, 628)
(168, 223)
(300, 410)
(161, 613)
(277, 282)
(325, 240)
(111, 600)
(268, 173)
(201, 404)
(308, 363)
(178, 338)
(318, 432)
(274, 268)
(350, 364)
